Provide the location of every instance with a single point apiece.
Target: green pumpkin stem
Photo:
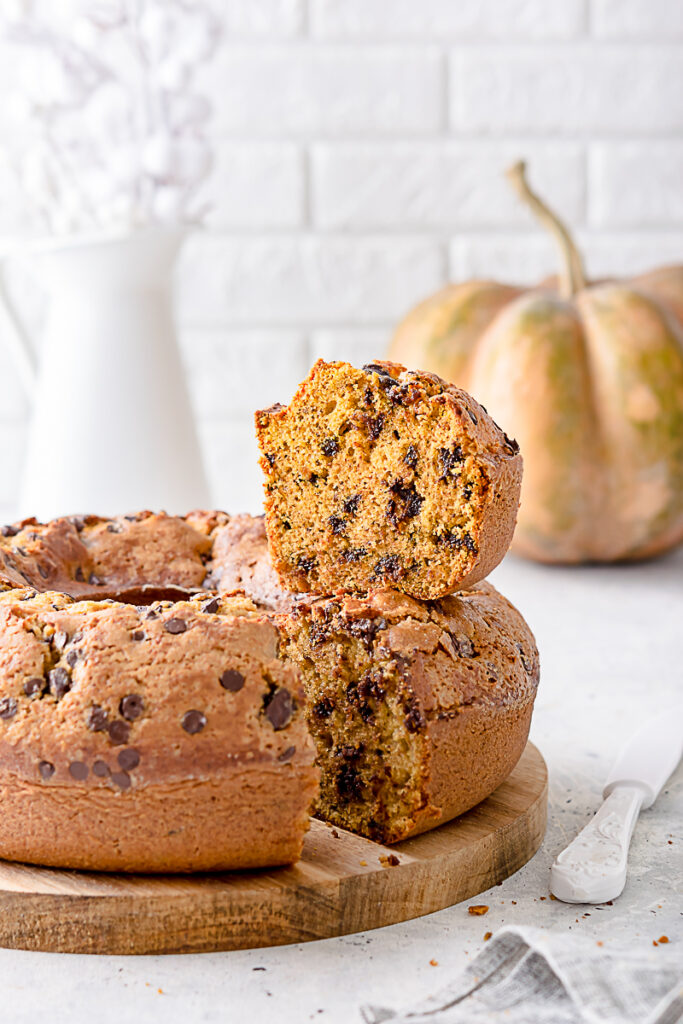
(573, 276)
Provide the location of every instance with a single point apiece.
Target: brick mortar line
(422, 43)
(416, 234)
(449, 133)
(304, 324)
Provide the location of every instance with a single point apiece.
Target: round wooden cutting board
(342, 884)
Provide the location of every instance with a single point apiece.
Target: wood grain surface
(342, 884)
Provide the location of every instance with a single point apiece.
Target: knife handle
(592, 869)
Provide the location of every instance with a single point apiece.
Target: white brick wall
(360, 146)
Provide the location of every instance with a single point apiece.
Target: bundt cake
(384, 477)
(152, 715)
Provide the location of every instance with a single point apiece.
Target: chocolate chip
(95, 580)
(405, 505)
(279, 708)
(121, 779)
(212, 606)
(390, 566)
(472, 416)
(43, 571)
(175, 626)
(138, 635)
(60, 682)
(270, 458)
(98, 719)
(352, 555)
(287, 754)
(9, 531)
(113, 528)
(232, 680)
(396, 392)
(78, 575)
(414, 720)
(46, 769)
(193, 722)
(306, 563)
(348, 783)
(129, 759)
(78, 770)
(8, 707)
(376, 426)
(337, 525)
(324, 708)
(411, 456)
(381, 371)
(32, 686)
(456, 540)
(350, 505)
(101, 769)
(318, 633)
(372, 685)
(330, 446)
(118, 732)
(131, 706)
(511, 444)
(450, 458)
(151, 614)
(366, 628)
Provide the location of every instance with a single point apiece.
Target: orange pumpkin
(589, 378)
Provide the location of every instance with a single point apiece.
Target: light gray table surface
(611, 643)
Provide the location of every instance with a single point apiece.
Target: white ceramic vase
(112, 429)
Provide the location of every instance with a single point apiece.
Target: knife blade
(592, 869)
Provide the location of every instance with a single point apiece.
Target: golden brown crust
(470, 755)
(107, 709)
(98, 558)
(240, 562)
(190, 826)
(385, 477)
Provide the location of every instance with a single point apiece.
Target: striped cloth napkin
(531, 976)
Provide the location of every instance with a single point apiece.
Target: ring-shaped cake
(163, 701)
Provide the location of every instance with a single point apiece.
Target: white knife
(593, 867)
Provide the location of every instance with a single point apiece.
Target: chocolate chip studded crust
(162, 736)
(384, 477)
